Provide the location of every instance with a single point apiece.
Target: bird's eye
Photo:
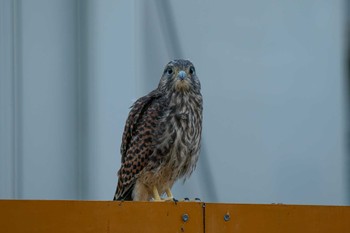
(169, 71)
(192, 70)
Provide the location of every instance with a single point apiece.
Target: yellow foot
(160, 200)
(170, 196)
(156, 196)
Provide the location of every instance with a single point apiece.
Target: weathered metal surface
(107, 216)
(99, 216)
(249, 218)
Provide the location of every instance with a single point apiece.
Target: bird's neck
(184, 100)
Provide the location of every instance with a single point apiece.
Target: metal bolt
(227, 217)
(185, 217)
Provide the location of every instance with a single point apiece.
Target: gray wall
(272, 75)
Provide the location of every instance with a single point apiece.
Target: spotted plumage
(162, 134)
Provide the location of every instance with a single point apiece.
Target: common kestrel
(162, 135)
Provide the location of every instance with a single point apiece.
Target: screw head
(185, 217)
(227, 217)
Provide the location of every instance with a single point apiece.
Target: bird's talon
(155, 200)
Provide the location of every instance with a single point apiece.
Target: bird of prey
(162, 135)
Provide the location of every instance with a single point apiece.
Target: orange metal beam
(107, 216)
(99, 217)
(249, 218)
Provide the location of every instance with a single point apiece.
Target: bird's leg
(169, 194)
(156, 194)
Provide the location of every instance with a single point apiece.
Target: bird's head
(179, 75)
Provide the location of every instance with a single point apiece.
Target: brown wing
(137, 142)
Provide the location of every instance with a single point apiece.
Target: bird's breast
(182, 133)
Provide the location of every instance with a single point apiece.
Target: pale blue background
(273, 79)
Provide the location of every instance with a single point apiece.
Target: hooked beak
(182, 75)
